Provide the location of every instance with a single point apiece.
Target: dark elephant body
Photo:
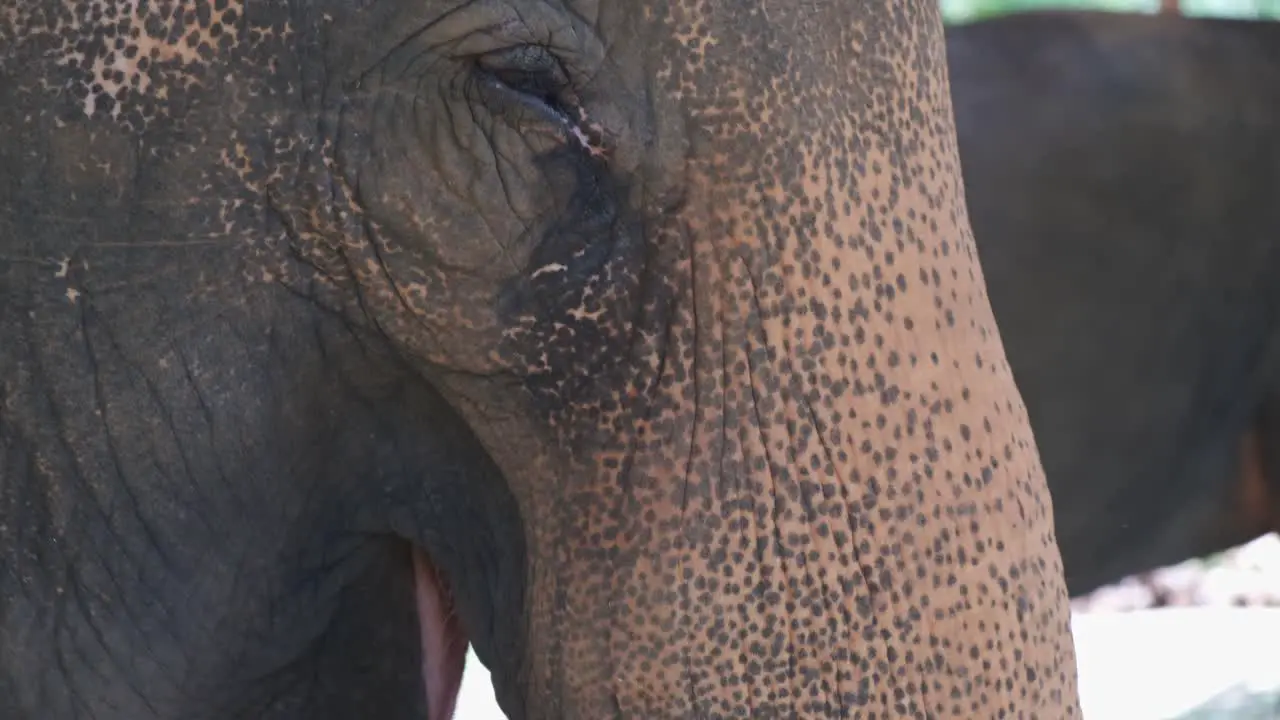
(1122, 176)
(198, 585)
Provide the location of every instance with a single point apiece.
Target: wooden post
(1170, 7)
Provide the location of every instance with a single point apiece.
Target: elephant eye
(531, 71)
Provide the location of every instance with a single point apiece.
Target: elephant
(1120, 175)
(642, 346)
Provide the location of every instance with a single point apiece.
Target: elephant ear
(444, 644)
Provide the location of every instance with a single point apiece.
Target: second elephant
(1122, 175)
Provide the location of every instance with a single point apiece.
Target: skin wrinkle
(82, 703)
(88, 614)
(777, 534)
(104, 514)
(386, 270)
(105, 414)
(528, 226)
(756, 295)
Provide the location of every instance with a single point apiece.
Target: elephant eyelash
(536, 85)
(531, 76)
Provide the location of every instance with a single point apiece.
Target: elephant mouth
(444, 644)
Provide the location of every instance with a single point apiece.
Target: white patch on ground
(476, 700)
(1179, 663)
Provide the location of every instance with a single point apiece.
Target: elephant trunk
(774, 463)
(801, 505)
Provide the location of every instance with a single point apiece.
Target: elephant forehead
(755, 55)
(118, 53)
(807, 126)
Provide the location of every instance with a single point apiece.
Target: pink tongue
(444, 645)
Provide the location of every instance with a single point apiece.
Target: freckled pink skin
(444, 646)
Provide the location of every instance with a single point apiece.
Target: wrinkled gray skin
(1122, 175)
(640, 342)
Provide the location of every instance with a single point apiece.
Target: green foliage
(966, 10)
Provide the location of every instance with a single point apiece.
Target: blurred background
(964, 10)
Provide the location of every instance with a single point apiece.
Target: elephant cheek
(444, 645)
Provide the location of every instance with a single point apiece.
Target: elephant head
(643, 344)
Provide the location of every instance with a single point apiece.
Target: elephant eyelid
(532, 70)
